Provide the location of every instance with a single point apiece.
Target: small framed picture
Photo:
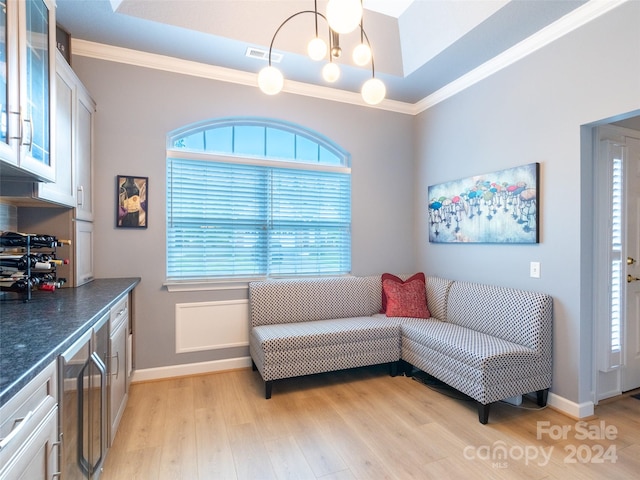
(132, 207)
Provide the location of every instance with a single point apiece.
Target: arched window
(253, 198)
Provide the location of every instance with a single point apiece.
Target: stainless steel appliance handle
(82, 461)
(97, 361)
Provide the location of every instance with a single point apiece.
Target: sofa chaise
(489, 342)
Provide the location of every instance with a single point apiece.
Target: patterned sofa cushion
(303, 300)
(293, 349)
(484, 367)
(437, 291)
(463, 345)
(485, 386)
(518, 316)
(320, 333)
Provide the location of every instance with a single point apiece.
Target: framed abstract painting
(497, 207)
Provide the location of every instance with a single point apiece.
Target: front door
(631, 323)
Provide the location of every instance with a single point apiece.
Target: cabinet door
(63, 190)
(9, 91)
(36, 34)
(118, 377)
(83, 252)
(84, 155)
(27, 62)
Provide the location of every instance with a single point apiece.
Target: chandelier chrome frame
(271, 80)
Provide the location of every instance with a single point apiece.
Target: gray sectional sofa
(488, 342)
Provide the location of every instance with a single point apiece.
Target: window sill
(229, 284)
(196, 286)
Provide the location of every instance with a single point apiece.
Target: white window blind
(617, 283)
(253, 218)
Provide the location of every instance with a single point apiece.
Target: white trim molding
(172, 371)
(212, 72)
(570, 408)
(203, 326)
(573, 20)
(570, 22)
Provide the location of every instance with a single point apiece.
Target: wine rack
(28, 262)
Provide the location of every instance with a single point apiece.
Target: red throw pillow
(407, 299)
(389, 276)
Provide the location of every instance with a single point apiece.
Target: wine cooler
(28, 262)
(83, 377)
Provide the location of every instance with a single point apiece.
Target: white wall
(137, 107)
(529, 112)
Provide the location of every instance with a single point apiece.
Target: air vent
(260, 54)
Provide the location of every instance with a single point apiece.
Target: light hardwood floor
(358, 424)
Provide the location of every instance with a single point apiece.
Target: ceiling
(419, 46)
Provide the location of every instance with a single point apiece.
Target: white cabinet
(84, 153)
(118, 364)
(74, 145)
(63, 190)
(27, 72)
(29, 430)
(83, 252)
(74, 150)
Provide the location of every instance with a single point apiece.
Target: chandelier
(342, 17)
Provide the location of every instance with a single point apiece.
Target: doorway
(616, 284)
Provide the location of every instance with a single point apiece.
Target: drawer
(119, 313)
(25, 411)
(37, 457)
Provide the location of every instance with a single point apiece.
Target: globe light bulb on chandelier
(344, 15)
(331, 72)
(271, 79)
(317, 49)
(361, 54)
(373, 91)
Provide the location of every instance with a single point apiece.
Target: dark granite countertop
(33, 334)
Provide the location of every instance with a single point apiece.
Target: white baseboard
(569, 408)
(572, 409)
(190, 369)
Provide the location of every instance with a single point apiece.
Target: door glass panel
(37, 20)
(616, 253)
(4, 71)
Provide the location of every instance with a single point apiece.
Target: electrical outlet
(534, 269)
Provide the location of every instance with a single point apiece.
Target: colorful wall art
(498, 207)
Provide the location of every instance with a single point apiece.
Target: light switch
(534, 270)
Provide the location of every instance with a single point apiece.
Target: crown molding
(187, 67)
(570, 22)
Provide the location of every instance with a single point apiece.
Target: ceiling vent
(260, 54)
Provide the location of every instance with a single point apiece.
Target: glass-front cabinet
(27, 61)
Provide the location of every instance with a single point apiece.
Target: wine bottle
(35, 262)
(48, 258)
(15, 239)
(19, 286)
(24, 285)
(51, 285)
